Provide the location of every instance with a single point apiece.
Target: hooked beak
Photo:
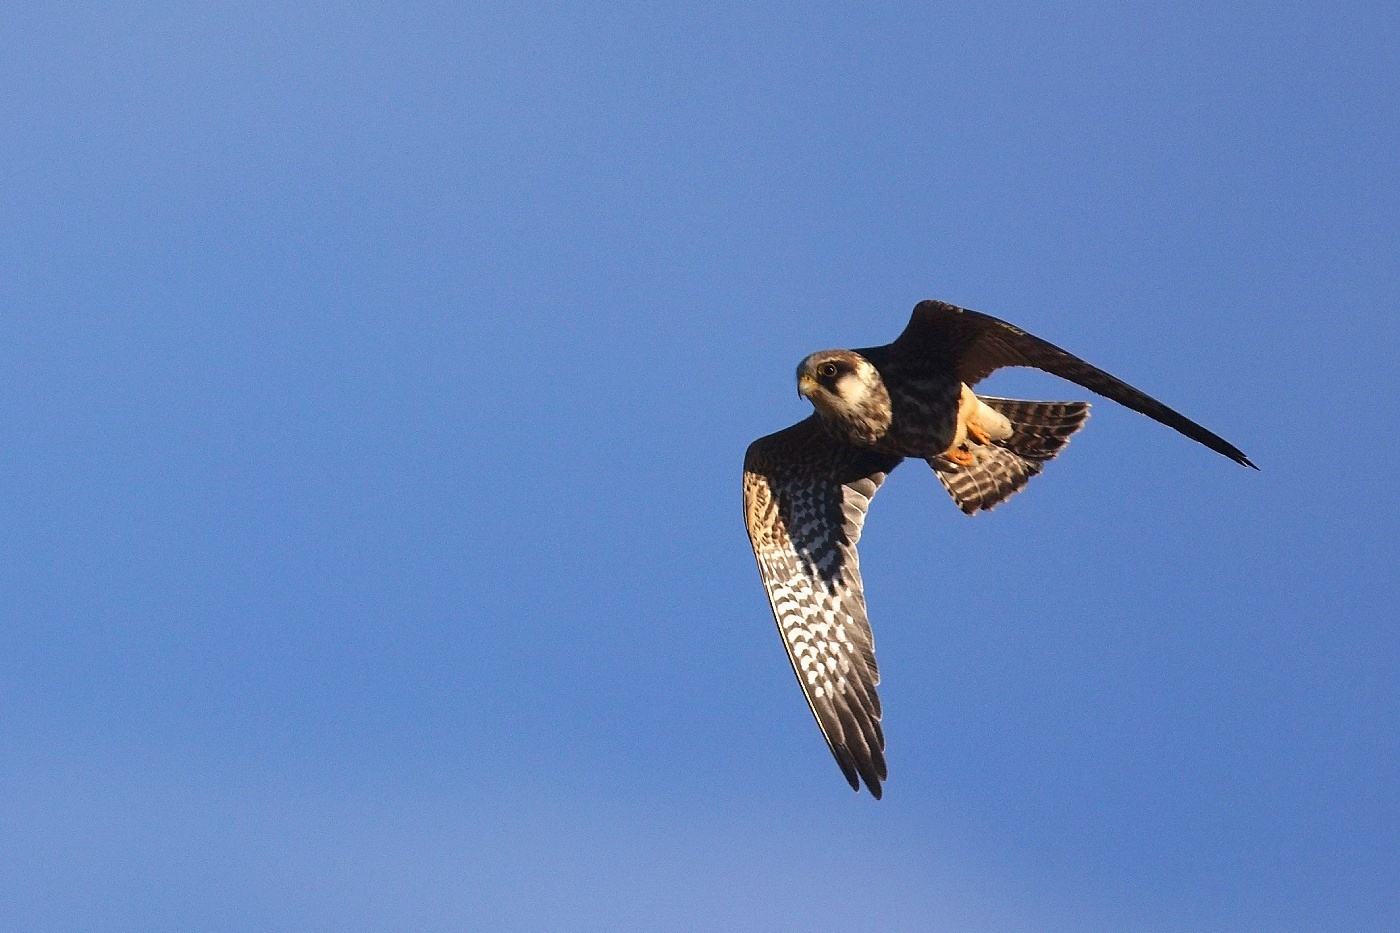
(806, 385)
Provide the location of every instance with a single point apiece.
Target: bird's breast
(925, 413)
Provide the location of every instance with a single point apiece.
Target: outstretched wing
(974, 345)
(805, 498)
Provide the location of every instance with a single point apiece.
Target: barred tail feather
(1040, 430)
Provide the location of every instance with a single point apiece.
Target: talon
(960, 455)
(978, 433)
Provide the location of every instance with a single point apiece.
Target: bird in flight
(807, 487)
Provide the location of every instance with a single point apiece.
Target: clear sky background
(374, 383)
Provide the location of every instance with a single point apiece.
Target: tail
(1039, 431)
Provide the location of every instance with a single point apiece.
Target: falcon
(807, 487)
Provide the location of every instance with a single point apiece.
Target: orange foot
(976, 432)
(960, 455)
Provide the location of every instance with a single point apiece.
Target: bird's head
(844, 386)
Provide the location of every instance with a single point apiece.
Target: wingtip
(1224, 447)
(871, 784)
(857, 776)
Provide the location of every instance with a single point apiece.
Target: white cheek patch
(851, 388)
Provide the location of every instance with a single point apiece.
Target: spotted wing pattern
(805, 499)
(974, 345)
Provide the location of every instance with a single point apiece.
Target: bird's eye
(828, 370)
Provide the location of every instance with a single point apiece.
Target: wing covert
(805, 499)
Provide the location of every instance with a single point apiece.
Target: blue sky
(375, 383)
